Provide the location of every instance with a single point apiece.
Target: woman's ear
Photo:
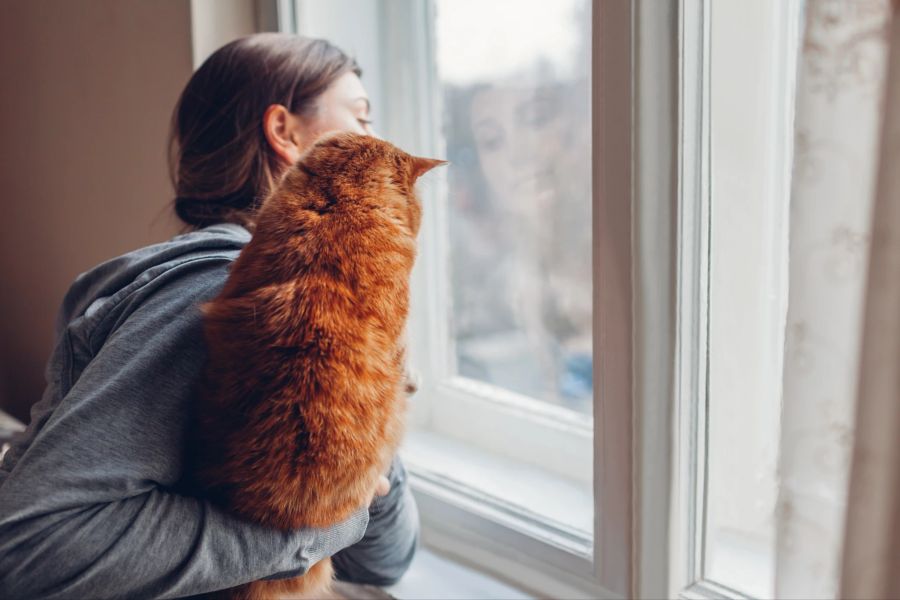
(281, 129)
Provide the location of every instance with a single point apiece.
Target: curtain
(871, 565)
(839, 98)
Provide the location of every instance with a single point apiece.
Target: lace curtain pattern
(842, 78)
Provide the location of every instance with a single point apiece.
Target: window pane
(750, 97)
(516, 100)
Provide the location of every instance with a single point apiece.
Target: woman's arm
(87, 508)
(386, 551)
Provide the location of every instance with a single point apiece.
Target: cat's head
(345, 171)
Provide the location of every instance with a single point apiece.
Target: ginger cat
(302, 404)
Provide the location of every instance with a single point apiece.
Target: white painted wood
(217, 22)
(353, 26)
(276, 15)
(285, 15)
(435, 577)
(508, 486)
(654, 214)
(506, 423)
(461, 528)
(692, 291)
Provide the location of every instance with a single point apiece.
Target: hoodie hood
(92, 288)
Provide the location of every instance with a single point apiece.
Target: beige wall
(86, 92)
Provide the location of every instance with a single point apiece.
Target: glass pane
(749, 97)
(515, 91)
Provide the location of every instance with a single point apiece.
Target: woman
(89, 496)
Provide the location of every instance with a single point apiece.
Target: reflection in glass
(515, 92)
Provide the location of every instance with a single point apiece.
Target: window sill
(529, 498)
(434, 576)
(503, 517)
(431, 576)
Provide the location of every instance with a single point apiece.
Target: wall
(86, 94)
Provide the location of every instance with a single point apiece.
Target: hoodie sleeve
(88, 507)
(391, 540)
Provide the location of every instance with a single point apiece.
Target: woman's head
(248, 112)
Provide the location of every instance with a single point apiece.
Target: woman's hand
(386, 550)
(382, 487)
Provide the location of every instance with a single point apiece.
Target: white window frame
(693, 297)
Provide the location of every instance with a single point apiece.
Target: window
(505, 312)
(501, 438)
(622, 462)
(518, 216)
(503, 419)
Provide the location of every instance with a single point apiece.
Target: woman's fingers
(383, 486)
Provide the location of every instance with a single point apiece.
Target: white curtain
(840, 90)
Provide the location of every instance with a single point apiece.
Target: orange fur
(302, 405)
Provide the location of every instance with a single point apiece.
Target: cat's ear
(420, 165)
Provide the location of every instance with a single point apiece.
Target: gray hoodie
(88, 500)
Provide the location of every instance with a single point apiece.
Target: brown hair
(221, 164)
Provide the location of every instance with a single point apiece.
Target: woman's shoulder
(191, 264)
(142, 308)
